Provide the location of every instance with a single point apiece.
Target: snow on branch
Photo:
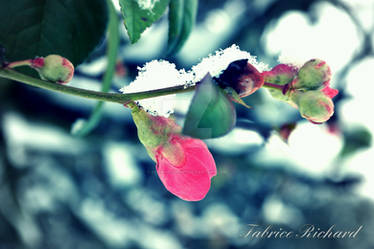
(158, 74)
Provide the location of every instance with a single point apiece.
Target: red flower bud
(243, 77)
(280, 74)
(184, 165)
(306, 88)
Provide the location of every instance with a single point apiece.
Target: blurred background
(102, 191)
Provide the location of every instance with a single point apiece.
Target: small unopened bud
(281, 74)
(314, 106)
(243, 77)
(54, 68)
(312, 75)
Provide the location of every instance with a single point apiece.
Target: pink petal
(198, 149)
(284, 69)
(191, 180)
(330, 92)
(38, 62)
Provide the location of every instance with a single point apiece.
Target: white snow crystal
(216, 63)
(147, 4)
(159, 74)
(292, 60)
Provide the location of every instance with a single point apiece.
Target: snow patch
(147, 4)
(158, 74)
(216, 63)
(292, 60)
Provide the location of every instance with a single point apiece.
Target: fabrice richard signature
(307, 231)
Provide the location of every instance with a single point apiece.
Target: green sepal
(234, 96)
(152, 130)
(211, 113)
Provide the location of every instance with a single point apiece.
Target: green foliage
(137, 18)
(31, 28)
(182, 15)
(83, 127)
(355, 139)
(211, 113)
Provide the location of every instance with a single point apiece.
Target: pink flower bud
(280, 74)
(54, 68)
(184, 165)
(307, 88)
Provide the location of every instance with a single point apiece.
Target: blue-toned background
(102, 191)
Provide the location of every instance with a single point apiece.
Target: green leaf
(83, 127)
(72, 29)
(138, 16)
(355, 139)
(182, 16)
(211, 113)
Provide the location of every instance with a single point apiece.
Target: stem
(19, 63)
(275, 86)
(113, 45)
(109, 97)
(284, 88)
